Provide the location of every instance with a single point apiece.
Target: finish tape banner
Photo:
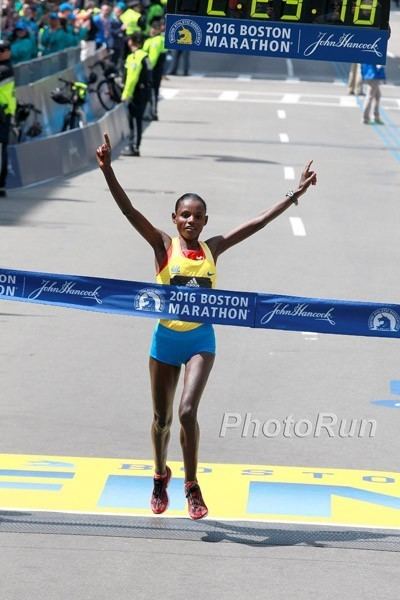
(203, 305)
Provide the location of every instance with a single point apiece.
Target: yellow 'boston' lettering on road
(263, 493)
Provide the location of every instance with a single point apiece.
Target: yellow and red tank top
(180, 270)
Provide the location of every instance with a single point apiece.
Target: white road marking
(310, 335)
(244, 77)
(348, 101)
(290, 98)
(289, 172)
(168, 93)
(254, 97)
(284, 138)
(297, 226)
(229, 95)
(290, 69)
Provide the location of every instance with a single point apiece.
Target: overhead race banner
(279, 40)
(133, 298)
(203, 305)
(327, 316)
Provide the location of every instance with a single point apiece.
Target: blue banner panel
(277, 39)
(130, 297)
(327, 316)
(202, 305)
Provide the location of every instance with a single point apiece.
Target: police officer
(137, 90)
(8, 105)
(155, 48)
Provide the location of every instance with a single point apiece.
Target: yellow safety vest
(133, 65)
(130, 19)
(7, 96)
(154, 46)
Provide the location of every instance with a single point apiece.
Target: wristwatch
(291, 195)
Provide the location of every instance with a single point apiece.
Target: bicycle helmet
(58, 96)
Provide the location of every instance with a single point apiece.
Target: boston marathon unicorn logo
(149, 300)
(185, 36)
(384, 319)
(185, 32)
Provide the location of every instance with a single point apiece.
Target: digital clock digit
(351, 13)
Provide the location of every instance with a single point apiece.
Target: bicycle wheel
(116, 91)
(105, 96)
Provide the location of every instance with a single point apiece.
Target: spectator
(88, 37)
(8, 106)
(118, 39)
(23, 48)
(355, 81)
(28, 16)
(53, 38)
(177, 55)
(64, 11)
(373, 76)
(103, 24)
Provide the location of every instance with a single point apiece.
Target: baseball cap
(53, 15)
(65, 6)
(21, 25)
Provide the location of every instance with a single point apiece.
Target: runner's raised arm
(221, 243)
(157, 239)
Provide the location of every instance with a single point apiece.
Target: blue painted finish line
(223, 307)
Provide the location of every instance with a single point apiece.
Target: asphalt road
(75, 383)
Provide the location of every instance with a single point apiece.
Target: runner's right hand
(103, 153)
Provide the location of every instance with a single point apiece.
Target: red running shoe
(196, 505)
(159, 498)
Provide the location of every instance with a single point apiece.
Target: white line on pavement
(290, 69)
(290, 98)
(288, 172)
(297, 226)
(168, 93)
(244, 77)
(350, 101)
(228, 95)
(284, 138)
(310, 335)
(281, 114)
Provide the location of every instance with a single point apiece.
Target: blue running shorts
(177, 347)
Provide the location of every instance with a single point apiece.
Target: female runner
(184, 260)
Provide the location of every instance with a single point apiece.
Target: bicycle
(109, 89)
(75, 94)
(24, 127)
